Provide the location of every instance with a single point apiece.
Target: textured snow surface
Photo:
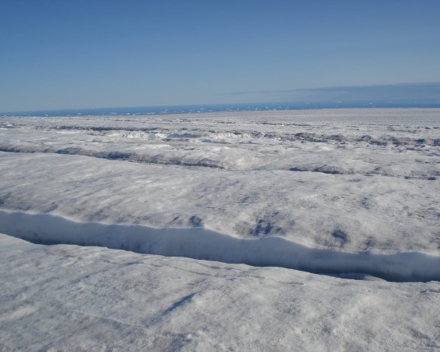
(68, 298)
(353, 193)
(350, 180)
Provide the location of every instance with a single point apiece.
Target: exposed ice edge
(200, 243)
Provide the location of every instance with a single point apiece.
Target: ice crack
(200, 243)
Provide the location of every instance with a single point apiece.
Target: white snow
(95, 299)
(350, 192)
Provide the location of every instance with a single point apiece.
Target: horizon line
(399, 94)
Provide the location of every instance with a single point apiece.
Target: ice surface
(347, 192)
(72, 298)
(350, 180)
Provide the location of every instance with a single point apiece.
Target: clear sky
(58, 54)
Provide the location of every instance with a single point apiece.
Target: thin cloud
(405, 91)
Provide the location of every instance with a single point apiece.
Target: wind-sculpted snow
(351, 180)
(199, 243)
(159, 158)
(327, 142)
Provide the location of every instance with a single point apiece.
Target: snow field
(345, 180)
(351, 193)
(73, 298)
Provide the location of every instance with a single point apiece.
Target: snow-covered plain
(353, 193)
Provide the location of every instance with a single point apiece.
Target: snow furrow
(200, 243)
(195, 161)
(331, 170)
(116, 155)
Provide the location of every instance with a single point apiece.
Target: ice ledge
(200, 243)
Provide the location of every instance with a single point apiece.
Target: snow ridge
(200, 243)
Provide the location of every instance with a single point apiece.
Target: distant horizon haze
(398, 95)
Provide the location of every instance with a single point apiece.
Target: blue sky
(57, 54)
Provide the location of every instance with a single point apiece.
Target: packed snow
(61, 298)
(350, 193)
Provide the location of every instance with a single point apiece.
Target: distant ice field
(348, 181)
